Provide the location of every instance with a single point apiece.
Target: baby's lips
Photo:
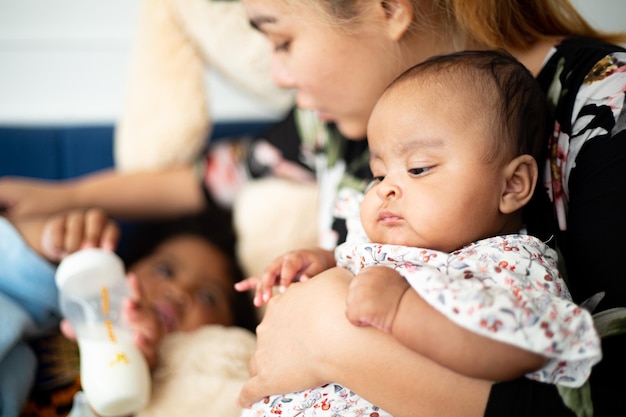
(167, 317)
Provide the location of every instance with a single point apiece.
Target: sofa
(63, 152)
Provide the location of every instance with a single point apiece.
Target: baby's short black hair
(502, 88)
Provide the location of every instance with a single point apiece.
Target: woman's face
(188, 282)
(337, 73)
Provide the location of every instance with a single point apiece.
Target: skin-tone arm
(148, 194)
(56, 236)
(381, 297)
(297, 265)
(305, 341)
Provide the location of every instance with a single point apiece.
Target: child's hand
(144, 322)
(70, 231)
(374, 296)
(142, 319)
(298, 265)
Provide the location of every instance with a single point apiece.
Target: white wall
(65, 61)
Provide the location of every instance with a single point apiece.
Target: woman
(339, 56)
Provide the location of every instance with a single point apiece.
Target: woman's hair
(519, 24)
(496, 24)
(140, 239)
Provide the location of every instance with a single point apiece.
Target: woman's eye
(282, 47)
(418, 171)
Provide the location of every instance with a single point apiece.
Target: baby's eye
(418, 171)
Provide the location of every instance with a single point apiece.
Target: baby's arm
(295, 265)
(380, 297)
(374, 295)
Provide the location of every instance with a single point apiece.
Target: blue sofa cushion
(60, 152)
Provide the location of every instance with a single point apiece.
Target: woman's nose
(281, 74)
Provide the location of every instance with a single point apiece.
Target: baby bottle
(114, 374)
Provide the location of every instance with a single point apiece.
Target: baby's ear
(521, 178)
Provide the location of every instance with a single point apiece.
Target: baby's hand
(374, 296)
(298, 265)
(143, 321)
(70, 231)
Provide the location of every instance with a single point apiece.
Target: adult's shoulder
(573, 58)
(575, 62)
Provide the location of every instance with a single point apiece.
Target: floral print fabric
(598, 111)
(331, 400)
(506, 288)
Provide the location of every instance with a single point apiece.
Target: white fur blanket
(201, 373)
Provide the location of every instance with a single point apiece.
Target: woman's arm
(149, 194)
(305, 340)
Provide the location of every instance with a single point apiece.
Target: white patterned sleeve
(506, 288)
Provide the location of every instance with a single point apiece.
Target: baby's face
(188, 282)
(434, 188)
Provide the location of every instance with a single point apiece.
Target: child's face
(188, 283)
(435, 188)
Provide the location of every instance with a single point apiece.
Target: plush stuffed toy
(201, 373)
(166, 117)
(265, 232)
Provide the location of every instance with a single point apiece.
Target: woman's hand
(297, 328)
(305, 340)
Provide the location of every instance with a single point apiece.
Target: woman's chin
(352, 130)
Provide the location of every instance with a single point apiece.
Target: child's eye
(208, 297)
(164, 271)
(418, 171)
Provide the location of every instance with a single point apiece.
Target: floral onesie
(507, 288)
